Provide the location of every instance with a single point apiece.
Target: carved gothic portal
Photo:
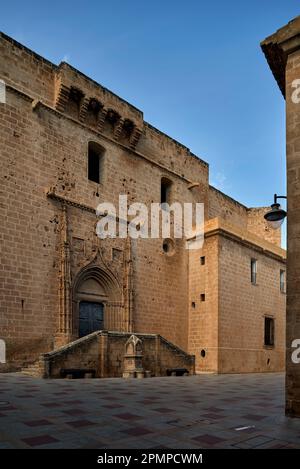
(97, 302)
(100, 295)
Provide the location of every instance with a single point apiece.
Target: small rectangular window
(282, 281)
(202, 260)
(93, 166)
(253, 271)
(269, 332)
(202, 297)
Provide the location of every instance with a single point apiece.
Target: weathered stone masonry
(52, 260)
(282, 51)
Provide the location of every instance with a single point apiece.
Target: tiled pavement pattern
(176, 412)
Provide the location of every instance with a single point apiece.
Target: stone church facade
(68, 144)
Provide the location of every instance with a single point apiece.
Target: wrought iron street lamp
(276, 215)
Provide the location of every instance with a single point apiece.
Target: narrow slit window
(269, 332)
(253, 271)
(282, 281)
(165, 190)
(95, 160)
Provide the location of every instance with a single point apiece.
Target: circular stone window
(168, 246)
(202, 353)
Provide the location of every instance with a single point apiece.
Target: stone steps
(34, 369)
(104, 353)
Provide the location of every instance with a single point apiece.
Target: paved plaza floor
(206, 411)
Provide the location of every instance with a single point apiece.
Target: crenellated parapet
(93, 105)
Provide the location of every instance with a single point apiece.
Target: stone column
(64, 333)
(293, 261)
(282, 51)
(128, 292)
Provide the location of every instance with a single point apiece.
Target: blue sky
(195, 68)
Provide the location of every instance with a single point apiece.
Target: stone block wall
(44, 150)
(257, 225)
(48, 205)
(203, 311)
(235, 213)
(226, 326)
(226, 208)
(293, 229)
(243, 307)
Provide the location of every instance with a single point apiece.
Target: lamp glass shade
(275, 224)
(275, 216)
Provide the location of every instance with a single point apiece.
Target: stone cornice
(279, 46)
(20, 93)
(51, 194)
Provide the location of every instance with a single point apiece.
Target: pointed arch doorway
(97, 302)
(91, 297)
